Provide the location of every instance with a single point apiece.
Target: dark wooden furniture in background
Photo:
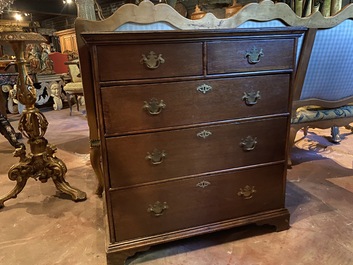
(194, 128)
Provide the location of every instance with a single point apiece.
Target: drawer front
(124, 62)
(128, 108)
(159, 156)
(192, 202)
(239, 56)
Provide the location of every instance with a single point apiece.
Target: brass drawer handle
(251, 98)
(204, 88)
(158, 208)
(247, 192)
(156, 157)
(152, 60)
(204, 134)
(154, 107)
(254, 55)
(248, 143)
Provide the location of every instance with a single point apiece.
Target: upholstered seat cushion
(74, 87)
(309, 114)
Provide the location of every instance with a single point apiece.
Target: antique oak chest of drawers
(193, 128)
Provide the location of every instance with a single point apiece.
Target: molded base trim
(117, 253)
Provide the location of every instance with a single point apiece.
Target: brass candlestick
(41, 163)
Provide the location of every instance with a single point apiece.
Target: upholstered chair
(323, 94)
(74, 89)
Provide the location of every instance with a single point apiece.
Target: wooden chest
(194, 128)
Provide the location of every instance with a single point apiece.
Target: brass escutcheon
(247, 192)
(156, 157)
(203, 184)
(254, 55)
(204, 88)
(157, 208)
(154, 106)
(251, 98)
(152, 60)
(248, 143)
(204, 134)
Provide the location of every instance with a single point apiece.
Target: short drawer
(240, 56)
(161, 156)
(129, 109)
(144, 61)
(152, 210)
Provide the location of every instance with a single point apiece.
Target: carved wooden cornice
(146, 12)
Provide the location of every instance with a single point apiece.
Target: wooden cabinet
(194, 128)
(67, 39)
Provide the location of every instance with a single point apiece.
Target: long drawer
(128, 109)
(165, 155)
(149, 61)
(151, 210)
(239, 56)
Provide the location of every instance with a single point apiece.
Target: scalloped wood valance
(146, 12)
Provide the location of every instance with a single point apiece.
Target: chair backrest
(328, 77)
(74, 70)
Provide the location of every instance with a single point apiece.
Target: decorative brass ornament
(203, 184)
(198, 13)
(156, 157)
(247, 192)
(249, 143)
(204, 88)
(154, 107)
(158, 208)
(152, 60)
(251, 98)
(204, 134)
(254, 55)
(41, 163)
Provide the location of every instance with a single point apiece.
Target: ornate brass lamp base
(41, 163)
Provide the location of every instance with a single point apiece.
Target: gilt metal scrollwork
(248, 143)
(158, 208)
(154, 106)
(156, 157)
(204, 88)
(247, 192)
(152, 60)
(254, 55)
(40, 162)
(204, 134)
(251, 98)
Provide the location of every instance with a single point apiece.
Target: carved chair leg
(68, 97)
(293, 132)
(335, 133)
(77, 103)
(95, 157)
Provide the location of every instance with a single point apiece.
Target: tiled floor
(40, 227)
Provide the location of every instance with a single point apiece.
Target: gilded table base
(40, 163)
